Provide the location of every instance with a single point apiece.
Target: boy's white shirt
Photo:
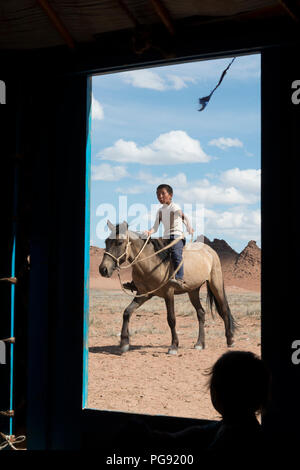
(174, 228)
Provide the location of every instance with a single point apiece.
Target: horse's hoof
(231, 345)
(172, 351)
(125, 348)
(199, 347)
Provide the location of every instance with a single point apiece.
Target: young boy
(171, 216)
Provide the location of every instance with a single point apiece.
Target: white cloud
(171, 148)
(234, 187)
(106, 172)
(156, 80)
(240, 225)
(178, 180)
(245, 180)
(233, 218)
(214, 194)
(144, 79)
(131, 189)
(177, 82)
(225, 142)
(97, 109)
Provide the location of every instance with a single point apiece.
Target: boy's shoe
(130, 286)
(178, 283)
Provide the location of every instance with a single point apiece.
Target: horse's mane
(157, 243)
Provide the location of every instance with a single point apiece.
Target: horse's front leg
(169, 300)
(136, 303)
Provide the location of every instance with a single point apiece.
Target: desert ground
(146, 379)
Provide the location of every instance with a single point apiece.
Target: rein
(150, 291)
(135, 260)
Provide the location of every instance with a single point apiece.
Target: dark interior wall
(43, 138)
(280, 237)
(44, 122)
(15, 187)
(57, 241)
(7, 151)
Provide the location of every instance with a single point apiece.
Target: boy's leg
(176, 256)
(130, 285)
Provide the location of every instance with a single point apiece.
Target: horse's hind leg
(195, 300)
(136, 303)
(169, 300)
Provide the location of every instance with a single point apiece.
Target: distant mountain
(225, 252)
(248, 262)
(238, 268)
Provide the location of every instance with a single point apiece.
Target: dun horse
(152, 271)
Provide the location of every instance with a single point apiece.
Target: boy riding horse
(171, 216)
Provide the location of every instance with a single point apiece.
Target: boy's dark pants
(176, 255)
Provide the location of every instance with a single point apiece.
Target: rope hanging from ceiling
(204, 101)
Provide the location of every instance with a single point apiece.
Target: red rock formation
(248, 263)
(240, 269)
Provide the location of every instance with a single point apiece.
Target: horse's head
(116, 248)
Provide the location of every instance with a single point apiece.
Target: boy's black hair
(167, 187)
(239, 383)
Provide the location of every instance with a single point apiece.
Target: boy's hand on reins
(148, 232)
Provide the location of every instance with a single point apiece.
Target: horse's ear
(110, 225)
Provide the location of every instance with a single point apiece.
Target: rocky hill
(240, 269)
(226, 253)
(248, 262)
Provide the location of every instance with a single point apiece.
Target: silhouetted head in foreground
(239, 385)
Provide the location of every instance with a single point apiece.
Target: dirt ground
(146, 379)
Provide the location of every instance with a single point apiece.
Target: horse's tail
(211, 301)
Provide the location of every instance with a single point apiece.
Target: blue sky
(146, 130)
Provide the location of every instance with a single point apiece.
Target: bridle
(126, 253)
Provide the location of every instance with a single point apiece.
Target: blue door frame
(87, 244)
